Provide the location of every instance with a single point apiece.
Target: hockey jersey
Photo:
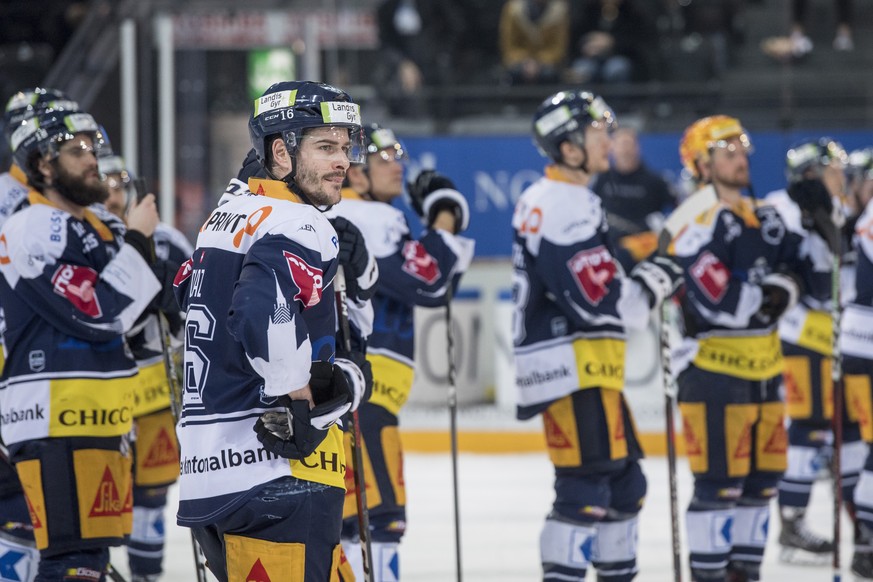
(856, 332)
(809, 323)
(572, 301)
(13, 193)
(70, 289)
(257, 292)
(726, 252)
(153, 392)
(411, 272)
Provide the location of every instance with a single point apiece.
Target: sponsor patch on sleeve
(711, 276)
(419, 263)
(593, 269)
(77, 284)
(308, 279)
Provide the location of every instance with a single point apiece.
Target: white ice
(504, 499)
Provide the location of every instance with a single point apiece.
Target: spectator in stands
(617, 41)
(418, 39)
(533, 40)
(843, 39)
(635, 198)
(798, 44)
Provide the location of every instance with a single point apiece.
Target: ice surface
(504, 499)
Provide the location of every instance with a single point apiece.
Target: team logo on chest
(593, 269)
(77, 284)
(711, 276)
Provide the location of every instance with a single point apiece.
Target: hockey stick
(113, 574)
(175, 393)
(342, 309)
(670, 392)
(453, 426)
(837, 419)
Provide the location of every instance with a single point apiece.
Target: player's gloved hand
(659, 276)
(360, 268)
(358, 374)
(165, 300)
(431, 193)
(780, 293)
(294, 433)
(818, 213)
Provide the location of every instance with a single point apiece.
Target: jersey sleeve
(718, 293)
(420, 270)
(79, 300)
(280, 278)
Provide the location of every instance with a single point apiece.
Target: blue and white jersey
(258, 296)
(726, 251)
(411, 272)
(70, 290)
(808, 324)
(573, 302)
(13, 193)
(856, 335)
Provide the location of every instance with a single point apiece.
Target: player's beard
(77, 189)
(738, 179)
(318, 191)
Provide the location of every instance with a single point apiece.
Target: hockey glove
(360, 267)
(817, 210)
(294, 433)
(780, 293)
(431, 193)
(358, 374)
(165, 300)
(659, 276)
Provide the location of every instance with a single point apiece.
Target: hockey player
(72, 285)
(415, 272)
(155, 450)
(262, 459)
(16, 538)
(856, 348)
(729, 394)
(574, 306)
(815, 172)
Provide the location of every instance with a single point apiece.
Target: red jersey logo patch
(183, 273)
(77, 285)
(162, 452)
(418, 263)
(307, 278)
(107, 502)
(711, 276)
(593, 269)
(258, 573)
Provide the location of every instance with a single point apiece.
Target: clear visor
(736, 144)
(330, 141)
(395, 153)
(76, 145)
(118, 180)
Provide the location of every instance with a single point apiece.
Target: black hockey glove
(142, 244)
(251, 167)
(431, 193)
(816, 209)
(659, 276)
(358, 374)
(781, 290)
(165, 300)
(294, 433)
(361, 270)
